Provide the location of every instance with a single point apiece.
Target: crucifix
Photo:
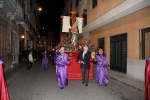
(74, 28)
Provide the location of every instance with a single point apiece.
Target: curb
(142, 90)
(14, 76)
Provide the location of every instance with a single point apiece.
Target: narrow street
(39, 84)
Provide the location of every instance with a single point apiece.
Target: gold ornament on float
(93, 55)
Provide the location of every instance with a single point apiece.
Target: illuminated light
(22, 36)
(40, 9)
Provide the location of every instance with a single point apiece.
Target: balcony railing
(16, 4)
(20, 9)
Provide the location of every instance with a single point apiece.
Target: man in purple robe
(101, 68)
(62, 60)
(45, 58)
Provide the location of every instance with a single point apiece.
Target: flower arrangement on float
(72, 48)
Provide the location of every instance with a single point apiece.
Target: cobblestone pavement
(39, 84)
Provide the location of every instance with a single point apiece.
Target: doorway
(118, 53)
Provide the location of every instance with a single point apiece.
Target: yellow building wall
(131, 25)
(101, 8)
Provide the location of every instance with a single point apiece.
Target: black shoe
(86, 84)
(62, 88)
(106, 85)
(83, 82)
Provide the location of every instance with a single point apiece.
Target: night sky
(49, 17)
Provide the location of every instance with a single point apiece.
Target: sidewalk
(127, 80)
(12, 73)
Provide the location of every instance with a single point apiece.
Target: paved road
(41, 85)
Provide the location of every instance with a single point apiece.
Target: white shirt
(84, 54)
(30, 57)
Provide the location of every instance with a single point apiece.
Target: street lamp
(22, 36)
(40, 9)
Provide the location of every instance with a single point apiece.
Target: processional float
(73, 26)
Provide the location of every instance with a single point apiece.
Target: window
(30, 3)
(101, 43)
(13, 46)
(3, 40)
(77, 3)
(70, 6)
(94, 3)
(21, 2)
(144, 43)
(84, 15)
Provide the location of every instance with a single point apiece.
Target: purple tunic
(148, 59)
(45, 60)
(62, 60)
(101, 69)
(1, 62)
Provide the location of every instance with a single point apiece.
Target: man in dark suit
(84, 60)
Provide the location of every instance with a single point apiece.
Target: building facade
(17, 29)
(122, 28)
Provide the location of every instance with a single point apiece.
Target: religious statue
(74, 32)
(74, 28)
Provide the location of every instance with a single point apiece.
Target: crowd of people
(61, 60)
(29, 55)
(102, 65)
(83, 58)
